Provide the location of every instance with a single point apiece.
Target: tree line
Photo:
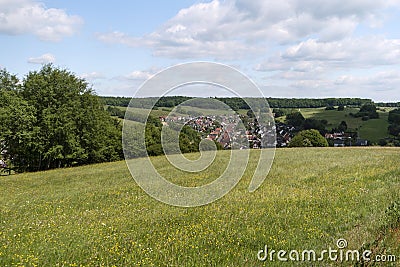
(237, 103)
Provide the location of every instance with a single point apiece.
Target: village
(224, 129)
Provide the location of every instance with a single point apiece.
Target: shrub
(308, 138)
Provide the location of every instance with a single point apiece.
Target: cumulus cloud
(233, 29)
(304, 46)
(32, 17)
(312, 58)
(361, 52)
(380, 86)
(43, 59)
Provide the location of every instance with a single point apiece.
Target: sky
(289, 48)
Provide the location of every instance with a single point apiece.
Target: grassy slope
(373, 130)
(164, 111)
(96, 215)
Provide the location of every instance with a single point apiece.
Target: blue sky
(290, 48)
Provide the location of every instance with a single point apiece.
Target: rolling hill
(97, 215)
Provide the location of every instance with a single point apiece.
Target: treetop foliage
(308, 138)
(53, 119)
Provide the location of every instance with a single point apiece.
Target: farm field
(97, 216)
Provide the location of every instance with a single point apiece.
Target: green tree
(394, 116)
(314, 124)
(295, 119)
(340, 108)
(368, 111)
(278, 112)
(308, 138)
(342, 126)
(17, 131)
(71, 126)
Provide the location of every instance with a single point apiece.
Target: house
(338, 143)
(212, 136)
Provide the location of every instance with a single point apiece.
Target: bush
(278, 113)
(382, 142)
(365, 118)
(308, 138)
(367, 112)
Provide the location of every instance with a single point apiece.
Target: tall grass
(97, 216)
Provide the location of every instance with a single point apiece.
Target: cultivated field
(97, 215)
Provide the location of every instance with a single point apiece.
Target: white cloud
(92, 76)
(307, 47)
(352, 67)
(380, 86)
(139, 75)
(43, 59)
(29, 16)
(361, 52)
(235, 29)
(315, 57)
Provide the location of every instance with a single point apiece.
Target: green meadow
(372, 130)
(98, 216)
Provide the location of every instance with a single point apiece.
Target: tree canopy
(295, 119)
(52, 118)
(308, 138)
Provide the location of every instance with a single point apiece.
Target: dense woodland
(239, 103)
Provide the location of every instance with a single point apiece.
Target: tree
(314, 124)
(250, 114)
(367, 111)
(70, 125)
(295, 119)
(17, 132)
(342, 126)
(394, 116)
(278, 112)
(308, 138)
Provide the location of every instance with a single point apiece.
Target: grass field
(372, 130)
(164, 111)
(97, 215)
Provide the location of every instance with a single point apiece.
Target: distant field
(156, 113)
(373, 130)
(333, 117)
(97, 216)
